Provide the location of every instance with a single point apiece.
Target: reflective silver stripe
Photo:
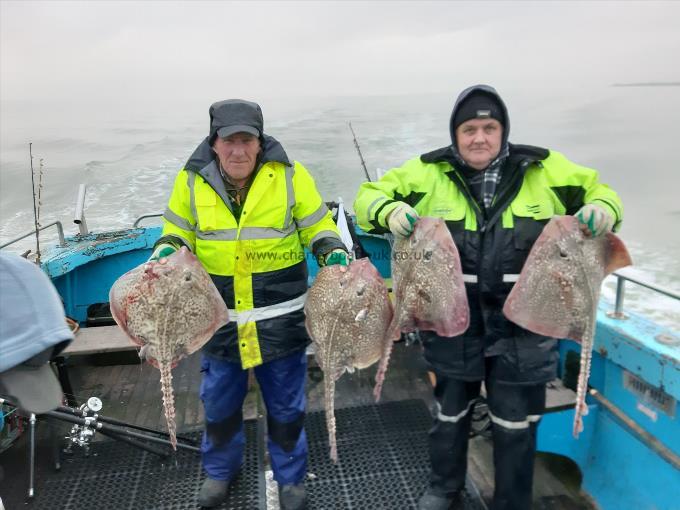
(472, 278)
(247, 233)
(228, 234)
(267, 312)
(369, 212)
(290, 194)
(324, 233)
(177, 220)
(192, 198)
(515, 425)
(313, 218)
(456, 418)
(265, 232)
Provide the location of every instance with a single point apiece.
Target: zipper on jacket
(510, 191)
(507, 196)
(462, 185)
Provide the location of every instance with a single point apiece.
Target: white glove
(402, 219)
(596, 219)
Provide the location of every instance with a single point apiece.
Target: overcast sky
(154, 52)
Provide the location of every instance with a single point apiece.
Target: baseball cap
(32, 331)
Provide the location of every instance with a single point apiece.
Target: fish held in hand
(428, 286)
(170, 309)
(558, 290)
(428, 281)
(347, 315)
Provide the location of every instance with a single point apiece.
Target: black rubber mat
(118, 476)
(382, 464)
(383, 459)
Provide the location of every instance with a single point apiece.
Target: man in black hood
(495, 198)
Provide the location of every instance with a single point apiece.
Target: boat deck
(131, 393)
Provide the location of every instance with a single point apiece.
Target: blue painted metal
(379, 251)
(619, 470)
(376, 246)
(85, 268)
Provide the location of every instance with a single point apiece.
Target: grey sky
(150, 52)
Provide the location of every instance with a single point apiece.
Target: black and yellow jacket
(536, 184)
(256, 262)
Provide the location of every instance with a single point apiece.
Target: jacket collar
(204, 163)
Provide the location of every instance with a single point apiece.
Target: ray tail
(168, 401)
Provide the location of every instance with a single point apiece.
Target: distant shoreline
(649, 84)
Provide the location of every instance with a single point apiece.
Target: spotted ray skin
(428, 286)
(347, 315)
(170, 310)
(559, 288)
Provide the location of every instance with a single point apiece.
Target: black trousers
(514, 411)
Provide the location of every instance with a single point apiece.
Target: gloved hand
(162, 250)
(402, 219)
(337, 256)
(597, 220)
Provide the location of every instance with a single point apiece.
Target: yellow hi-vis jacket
(257, 263)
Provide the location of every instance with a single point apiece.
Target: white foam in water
(654, 269)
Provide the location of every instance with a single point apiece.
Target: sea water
(128, 156)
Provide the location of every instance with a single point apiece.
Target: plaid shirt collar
(486, 181)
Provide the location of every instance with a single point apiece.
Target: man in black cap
(248, 212)
(495, 197)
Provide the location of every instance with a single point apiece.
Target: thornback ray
(428, 286)
(428, 281)
(558, 290)
(170, 310)
(347, 313)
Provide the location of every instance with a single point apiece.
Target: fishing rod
(35, 209)
(361, 157)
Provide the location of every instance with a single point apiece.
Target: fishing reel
(82, 435)
(412, 338)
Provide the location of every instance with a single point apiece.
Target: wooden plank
(192, 366)
(98, 340)
(150, 396)
(480, 466)
(133, 388)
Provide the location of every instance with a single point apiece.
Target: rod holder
(79, 217)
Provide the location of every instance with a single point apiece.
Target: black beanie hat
(479, 105)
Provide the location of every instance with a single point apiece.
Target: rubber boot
(432, 501)
(292, 497)
(213, 493)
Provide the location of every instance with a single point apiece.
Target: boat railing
(60, 231)
(144, 216)
(621, 279)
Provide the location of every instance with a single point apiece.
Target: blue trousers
(223, 390)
